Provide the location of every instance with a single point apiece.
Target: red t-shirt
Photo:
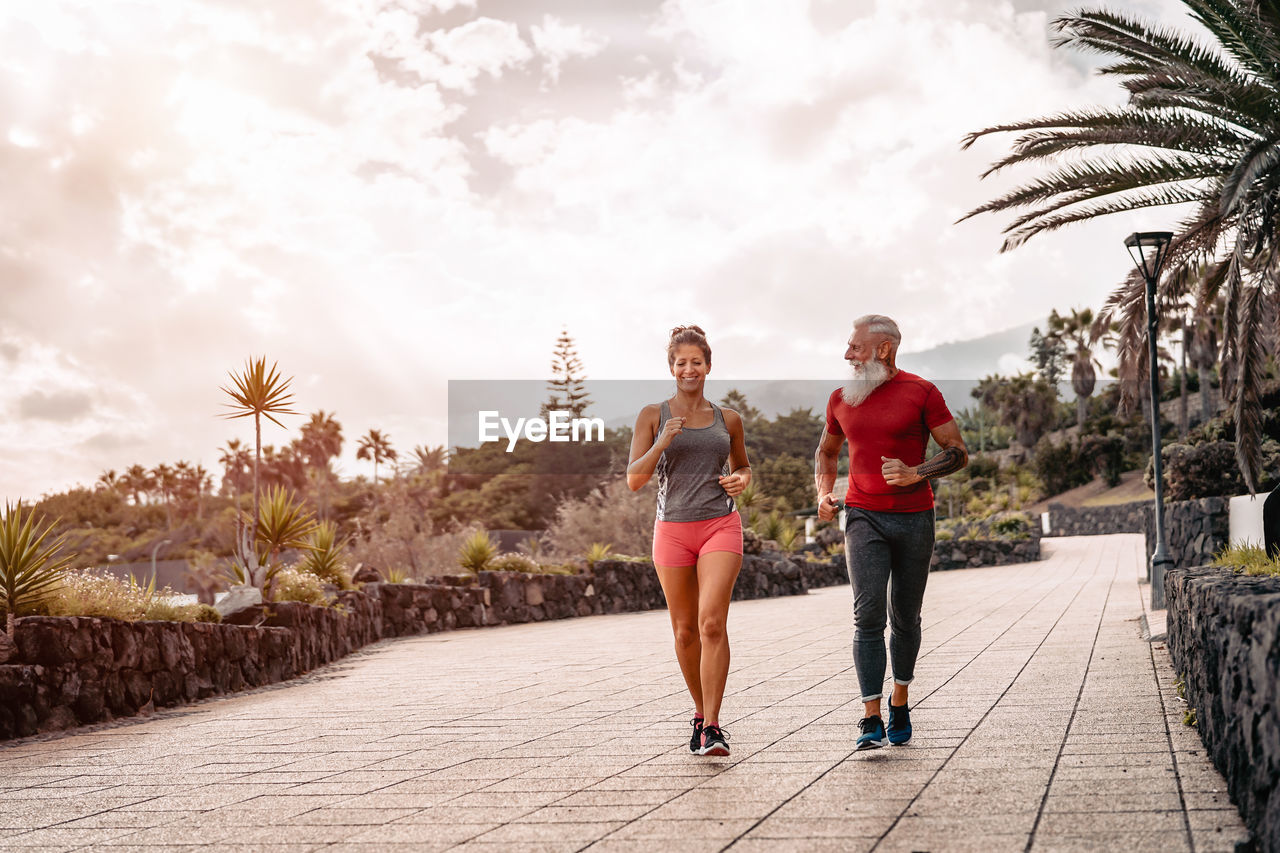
(894, 421)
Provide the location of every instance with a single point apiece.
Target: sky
(382, 196)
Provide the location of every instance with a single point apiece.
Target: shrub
(511, 562)
(206, 613)
(611, 513)
(1060, 466)
(1248, 559)
(1105, 456)
(327, 557)
(1209, 470)
(30, 567)
(477, 551)
(597, 552)
(162, 609)
(788, 539)
(1011, 526)
(981, 465)
(102, 595)
(398, 576)
(293, 585)
(773, 526)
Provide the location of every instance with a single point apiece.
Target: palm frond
(1236, 26)
(259, 391)
(1249, 371)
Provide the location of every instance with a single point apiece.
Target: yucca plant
(398, 576)
(249, 566)
(326, 557)
(596, 552)
(772, 526)
(30, 565)
(788, 539)
(1201, 127)
(259, 393)
(477, 552)
(283, 522)
(751, 499)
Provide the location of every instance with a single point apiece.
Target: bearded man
(887, 416)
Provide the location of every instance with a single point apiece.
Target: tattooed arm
(825, 464)
(953, 457)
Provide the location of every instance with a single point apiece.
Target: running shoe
(714, 742)
(872, 733)
(899, 723)
(695, 742)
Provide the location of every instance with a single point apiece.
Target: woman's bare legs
(717, 572)
(680, 586)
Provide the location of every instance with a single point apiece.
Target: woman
(697, 450)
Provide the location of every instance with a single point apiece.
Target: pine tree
(568, 391)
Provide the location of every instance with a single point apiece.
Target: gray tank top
(689, 469)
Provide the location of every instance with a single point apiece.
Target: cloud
(62, 406)
(384, 196)
(557, 42)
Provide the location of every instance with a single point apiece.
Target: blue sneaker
(899, 724)
(872, 737)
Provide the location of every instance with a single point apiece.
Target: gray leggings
(881, 547)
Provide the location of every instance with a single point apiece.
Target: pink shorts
(681, 543)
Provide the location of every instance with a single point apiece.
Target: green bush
(512, 562)
(1060, 466)
(101, 595)
(293, 585)
(1248, 559)
(477, 552)
(1209, 470)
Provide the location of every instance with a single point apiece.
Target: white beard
(867, 377)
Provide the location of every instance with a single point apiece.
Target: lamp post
(1148, 250)
(162, 542)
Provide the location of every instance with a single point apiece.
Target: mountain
(954, 367)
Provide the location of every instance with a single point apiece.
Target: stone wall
(72, 671)
(1195, 531)
(1098, 520)
(1224, 638)
(970, 553)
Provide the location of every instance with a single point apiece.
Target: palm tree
(258, 393)
(109, 481)
(1077, 330)
(137, 482)
(321, 442)
(164, 479)
(377, 447)
(430, 459)
(321, 439)
(234, 459)
(1200, 128)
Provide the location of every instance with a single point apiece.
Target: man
(887, 416)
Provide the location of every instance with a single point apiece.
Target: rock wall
(1098, 520)
(65, 672)
(1195, 531)
(1224, 638)
(970, 553)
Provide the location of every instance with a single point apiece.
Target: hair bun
(678, 329)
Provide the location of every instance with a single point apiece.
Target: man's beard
(867, 377)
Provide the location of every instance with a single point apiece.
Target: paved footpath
(1044, 721)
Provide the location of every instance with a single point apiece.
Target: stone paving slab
(1044, 721)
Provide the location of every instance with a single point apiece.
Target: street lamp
(1148, 250)
(153, 556)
